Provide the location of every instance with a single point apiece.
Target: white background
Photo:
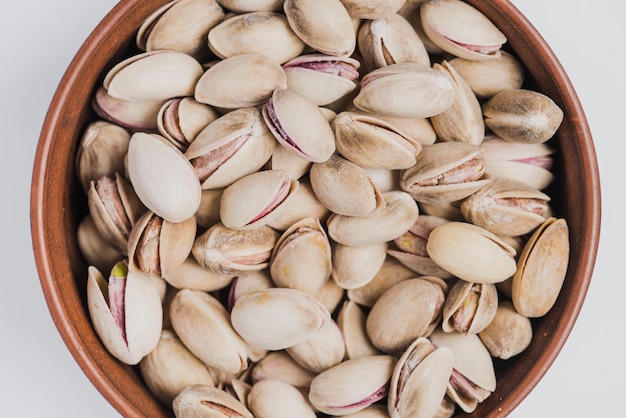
(38, 376)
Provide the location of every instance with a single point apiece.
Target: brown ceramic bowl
(58, 204)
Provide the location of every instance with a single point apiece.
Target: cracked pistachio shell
(355, 266)
(180, 25)
(372, 142)
(97, 251)
(524, 116)
(419, 380)
(390, 40)
(255, 199)
(114, 208)
(233, 252)
(351, 321)
(445, 172)
(376, 9)
(243, 80)
(390, 273)
(506, 207)
(461, 30)
(126, 313)
(323, 79)
(208, 401)
(303, 204)
(156, 75)
(181, 119)
(541, 270)
(469, 307)
(162, 177)
(132, 115)
(281, 366)
(265, 33)
(270, 398)
(324, 25)
(487, 78)
(472, 363)
(463, 121)
(203, 325)
(157, 246)
(408, 310)
(231, 147)
(299, 125)
(301, 258)
(102, 149)
(399, 213)
(405, 90)
(323, 350)
(471, 253)
(191, 275)
(508, 334)
(345, 188)
(171, 367)
(243, 6)
(278, 318)
(352, 385)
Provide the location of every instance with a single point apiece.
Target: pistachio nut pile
(319, 207)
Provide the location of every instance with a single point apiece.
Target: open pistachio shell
(351, 321)
(469, 307)
(390, 273)
(270, 398)
(508, 334)
(278, 318)
(323, 350)
(471, 253)
(181, 119)
(303, 204)
(461, 30)
(355, 266)
(541, 269)
(208, 401)
(162, 177)
(486, 78)
(203, 325)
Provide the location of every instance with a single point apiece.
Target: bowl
(58, 204)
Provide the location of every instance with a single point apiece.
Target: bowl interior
(58, 204)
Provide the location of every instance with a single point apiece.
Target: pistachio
(486, 78)
(390, 273)
(508, 334)
(203, 400)
(270, 398)
(129, 114)
(323, 350)
(355, 266)
(469, 307)
(351, 321)
(181, 119)
(281, 366)
(302, 204)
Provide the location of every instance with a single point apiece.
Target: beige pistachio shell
(323, 79)
(282, 158)
(255, 199)
(233, 146)
(352, 385)
(445, 172)
(299, 125)
(281, 366)
(486, 78)
(524, 116)
(171, 367)
(156, 75)
(471, 253)
(469, 307)
(162, 177)
(180, 26)
(247, 283)
(323, 350)
(372, 142)
(233, 252)
(406, 311)
(351, 321)
(411, 12)
(508, 334)
(191, 275)
(301, 258)
(126, 313)
(303, 204)
(390, 273)
(208, 213)
(463, 121)
(461, 30)
(541, 270)
(182, 118)
(377, 9)
(355, 266)
(386, 180)
(208, 401)
(330, 295)
(506, 207)
(419, 380)
(97, 251)
(345, 188)
(405, 90)
(324, 25)
(242, 80)
(203, 325)
(132, 115)
(399, 213)
(278, 318)
(270, 398)
(243, 6)
(265, 33)
(390, 40)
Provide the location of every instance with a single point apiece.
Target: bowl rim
(56, 290)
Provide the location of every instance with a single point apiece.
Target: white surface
(38, 376)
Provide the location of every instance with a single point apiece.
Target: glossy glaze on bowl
(57, 205)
